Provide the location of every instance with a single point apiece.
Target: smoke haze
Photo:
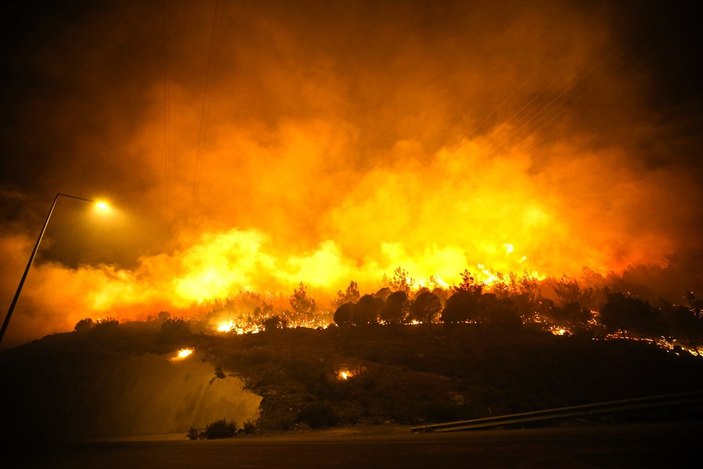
(249, 146)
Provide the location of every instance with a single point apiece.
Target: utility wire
(205, 105)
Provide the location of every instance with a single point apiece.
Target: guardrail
(600, 408)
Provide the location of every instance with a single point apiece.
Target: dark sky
(330, 141)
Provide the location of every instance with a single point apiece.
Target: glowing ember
(556, 330)
(229, 326)
(182, 354)
(343, 375)
(670, 345)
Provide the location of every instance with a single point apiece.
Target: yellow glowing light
(559, 330)
(182, 354)
(225, 326)
(101, 206)
(344, 375)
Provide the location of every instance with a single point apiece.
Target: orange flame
(345, 374)
(182, 354)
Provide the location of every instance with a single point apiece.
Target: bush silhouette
(175, 329)
(273, 323)
(106, 326)
(249, 427)
(84, 325)
(221, 429)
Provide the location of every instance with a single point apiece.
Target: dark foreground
(645, 445)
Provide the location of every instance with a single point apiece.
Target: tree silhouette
(401, 280)
(383, 293)
(366, 310)
(344, 315)
(569, 291)
(350, 295)
(499, 311)
(571, 314)
(629, 315)
(469, 284)
(396, 308)
(425, 307)
(463, 306)
(683, 322)
(84, 325)
(303, 305)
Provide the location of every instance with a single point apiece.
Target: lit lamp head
(101, 206)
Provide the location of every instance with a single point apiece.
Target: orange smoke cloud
(265, 145)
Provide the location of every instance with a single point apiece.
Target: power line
(205, 104)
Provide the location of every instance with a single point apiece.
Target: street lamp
(100, 205)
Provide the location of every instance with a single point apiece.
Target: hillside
(123, 381)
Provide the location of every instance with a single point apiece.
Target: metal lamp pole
(31, 259)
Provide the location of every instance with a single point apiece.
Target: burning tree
(304, 306)
(401, 280)
(469, 284)
(273, 323)
(350, 295)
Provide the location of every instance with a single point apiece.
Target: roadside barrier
(585, 410)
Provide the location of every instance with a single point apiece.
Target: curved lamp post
(100, 205)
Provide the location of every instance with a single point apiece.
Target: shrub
(84, 325)
(249, 427)
(194, 433)
(175, 329)
(106, 326)
(344, 315)
(221, 429)
(273, 323)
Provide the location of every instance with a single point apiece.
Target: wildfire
(182, 354)
(344, 374)
(664, 343)
(556, 330)
(336, 191)
(225, 326)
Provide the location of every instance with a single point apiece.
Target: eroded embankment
(67, 394)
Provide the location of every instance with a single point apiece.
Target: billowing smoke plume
(250, 146)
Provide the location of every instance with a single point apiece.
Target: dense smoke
(250, 146)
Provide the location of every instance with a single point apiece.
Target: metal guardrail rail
(600, 408)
